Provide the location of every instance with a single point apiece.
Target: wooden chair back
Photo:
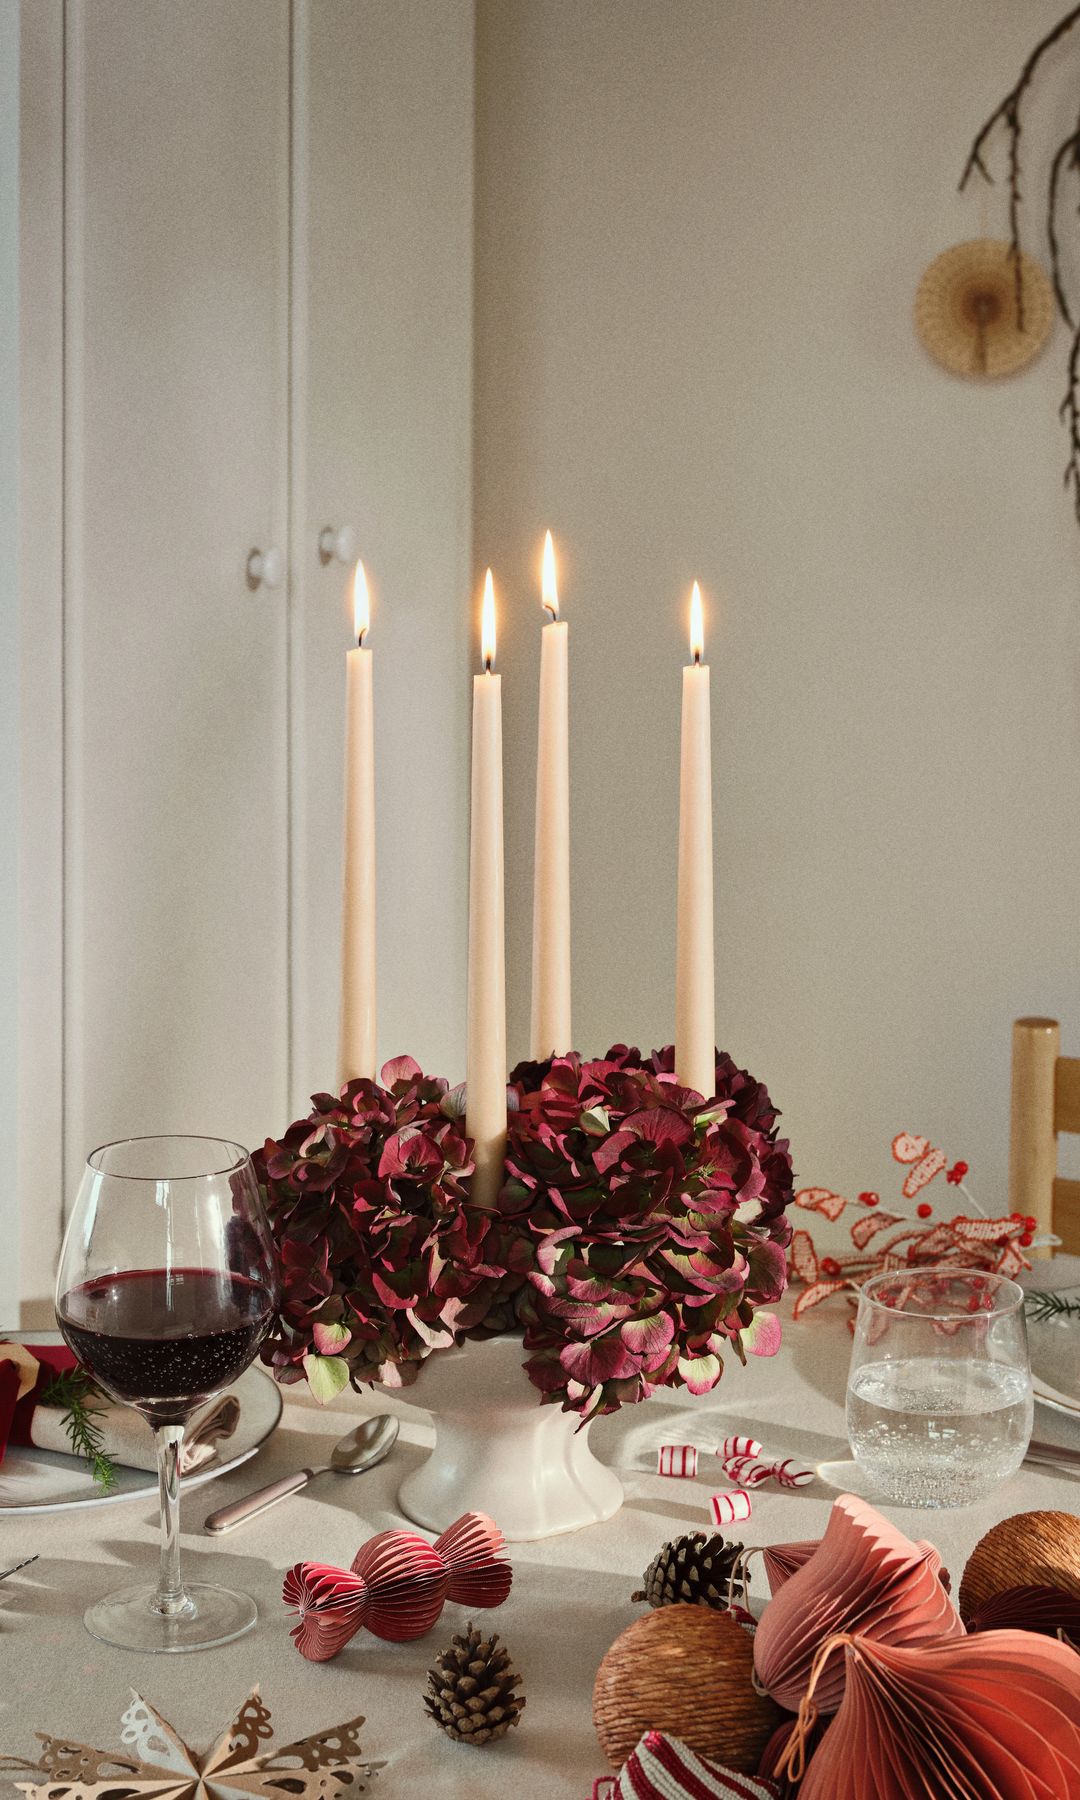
(1045, 1100)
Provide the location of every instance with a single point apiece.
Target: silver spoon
(359, 1450)
(1055, 1456)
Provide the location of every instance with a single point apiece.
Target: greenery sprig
(73, 1390)
(1041, 1305)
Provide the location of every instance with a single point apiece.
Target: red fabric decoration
(664, 1768)
(15, 1414)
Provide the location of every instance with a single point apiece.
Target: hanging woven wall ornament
(966, 310)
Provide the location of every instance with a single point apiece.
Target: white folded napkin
(128, 1439)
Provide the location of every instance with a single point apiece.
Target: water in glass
(939, 1404)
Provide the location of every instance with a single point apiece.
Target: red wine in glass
(167, 1285)
(164, 1340)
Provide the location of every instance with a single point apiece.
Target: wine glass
(167, 1287)
(939, 1403)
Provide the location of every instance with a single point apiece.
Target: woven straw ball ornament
(1033, 1549)
(966, 315)
(686, 1671)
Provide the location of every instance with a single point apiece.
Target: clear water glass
(939, 1402)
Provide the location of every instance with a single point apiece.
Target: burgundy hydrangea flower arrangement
(657, 1225)
(366, 1201)
(637, 1232)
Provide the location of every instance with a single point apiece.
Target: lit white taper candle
(695, 1002)
(485, 1097)
(357, 1049)
(551, 1033)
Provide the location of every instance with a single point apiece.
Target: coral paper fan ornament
(397, 1586)
(325, 1766)
(866, 1577)
(782, 1561)
(992, 1717)
(665, 1766)
(1047, 1610)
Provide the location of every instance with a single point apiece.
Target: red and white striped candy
(677, 1459)
(750, 1472)
(737, 1446)
(789, 1476)
(746, 1471)
(728, 1509)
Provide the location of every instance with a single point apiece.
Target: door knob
(266, 568)
(340, 543)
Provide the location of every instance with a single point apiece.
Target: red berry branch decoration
(882, 1239)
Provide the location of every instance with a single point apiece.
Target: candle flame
(697, 626)
(487, 623)
(548, 587)
(361, 602)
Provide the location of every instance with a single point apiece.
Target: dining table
(571, 1594)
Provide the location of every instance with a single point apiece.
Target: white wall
(699, 232)
(9, 615)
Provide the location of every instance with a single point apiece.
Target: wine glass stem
(170, 1598)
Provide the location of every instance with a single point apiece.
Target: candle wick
(552, 611)
(360, 640)
(487, 665)
(697, 659)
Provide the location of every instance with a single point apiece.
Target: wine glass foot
(127, 1620)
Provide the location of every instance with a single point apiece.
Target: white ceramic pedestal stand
(499, 1451)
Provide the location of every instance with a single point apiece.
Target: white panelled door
(383, 127)
(176, 451)
(258, 217)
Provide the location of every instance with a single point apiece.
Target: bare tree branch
(1009, 110)
(1067, 156)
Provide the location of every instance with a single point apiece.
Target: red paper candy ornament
(865, 1576)
(397, 1586)
(991, 1717)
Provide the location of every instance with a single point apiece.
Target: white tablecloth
(570, 1599)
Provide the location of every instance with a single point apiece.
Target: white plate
(1055, 1359)
(33, 1481)
(1052, 1397)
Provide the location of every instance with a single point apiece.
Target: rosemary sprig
(1041, 1305)
(73, 1390)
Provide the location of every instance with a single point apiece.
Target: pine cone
(693, 1568)
(472, 1686)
